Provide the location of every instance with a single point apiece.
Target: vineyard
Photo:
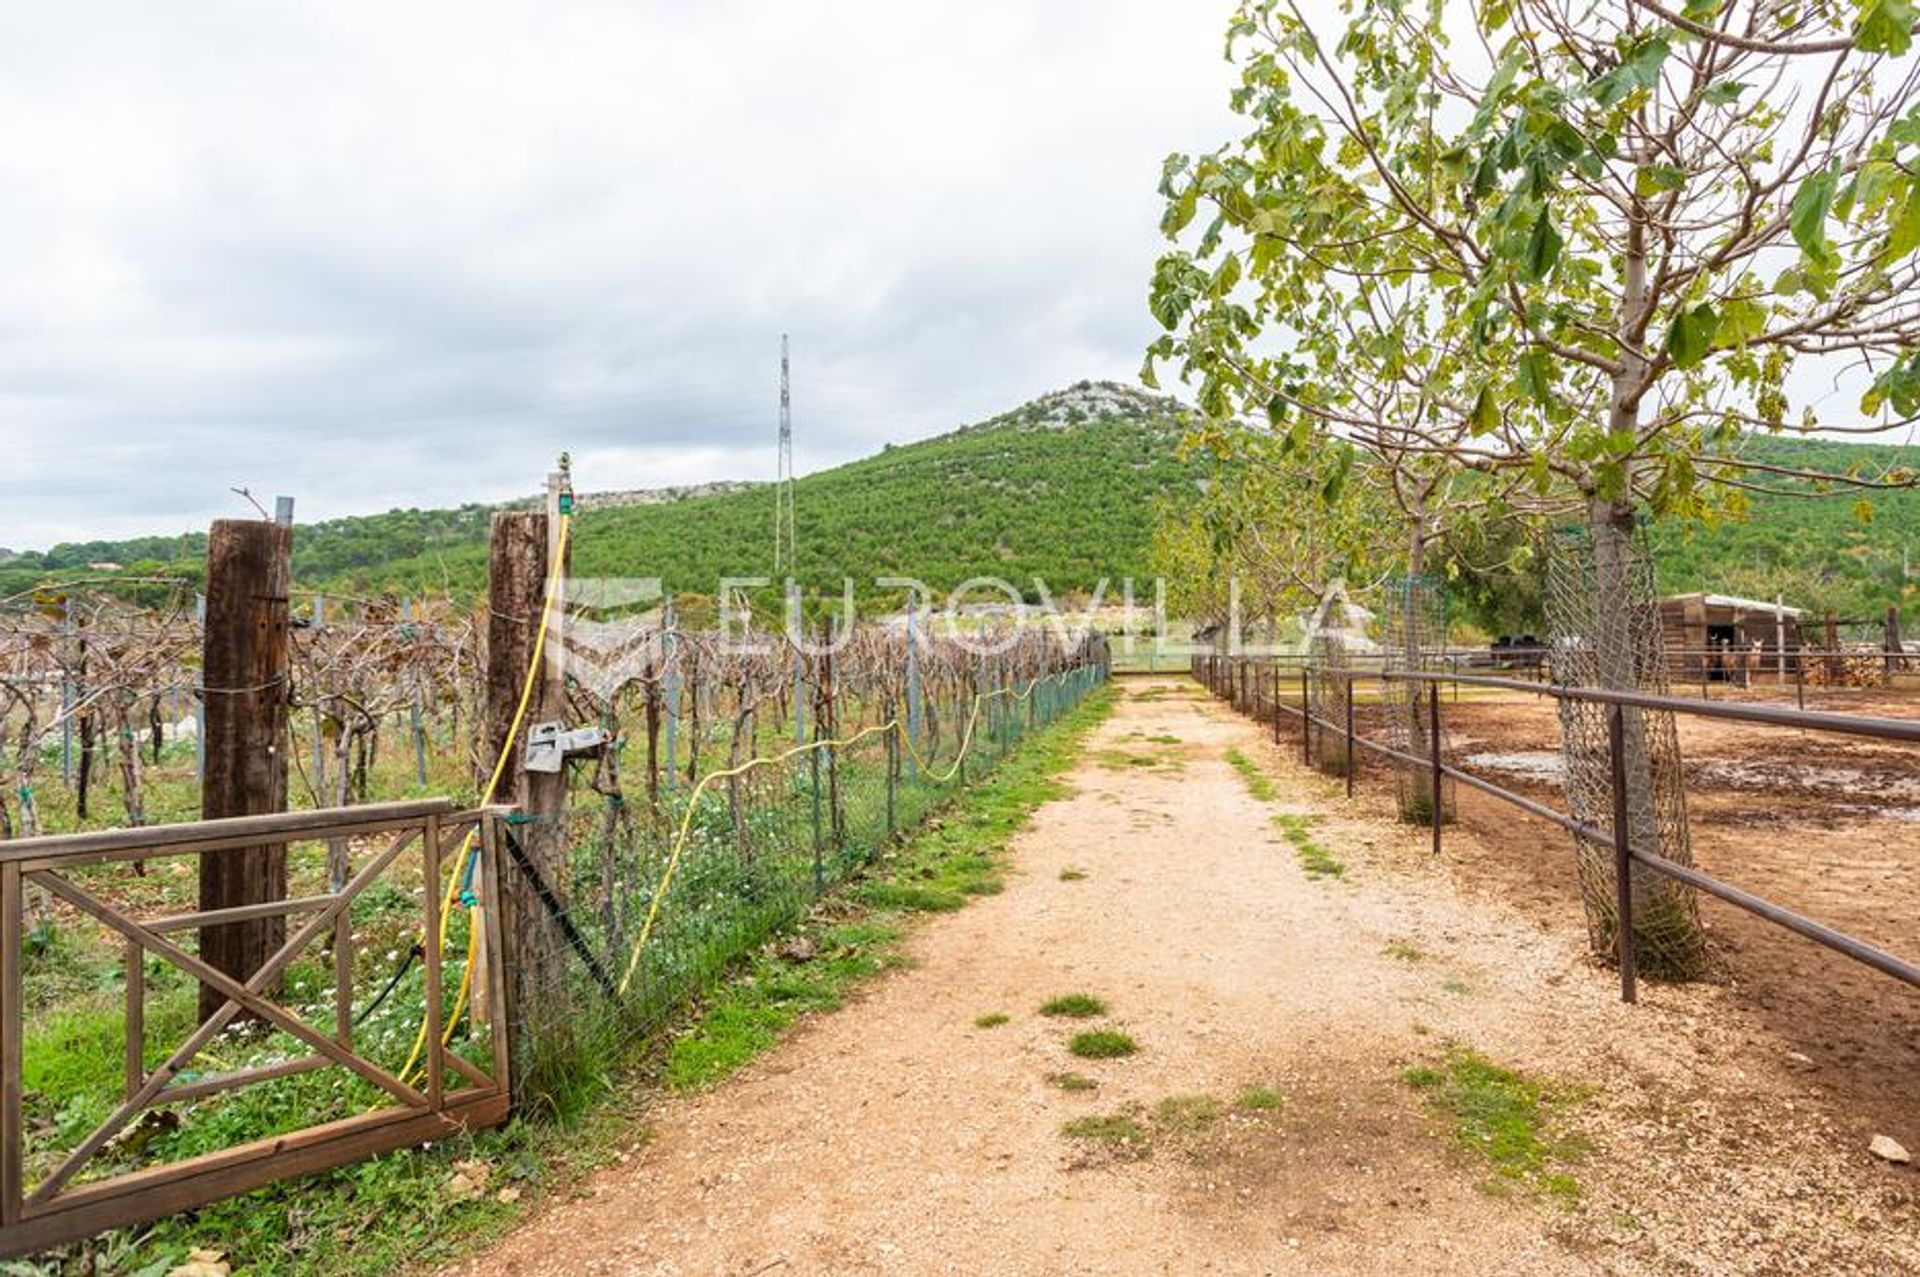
(517, 845)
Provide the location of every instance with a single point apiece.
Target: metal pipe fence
(1228, 677)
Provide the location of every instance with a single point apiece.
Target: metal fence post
(1350, 761)
(1276, 702)
(893, 768)
(1306, 722)
(1622, 851)
(1433, 755)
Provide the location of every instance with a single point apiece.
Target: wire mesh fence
(731, 792)
(1604, 626)
(1414, 640)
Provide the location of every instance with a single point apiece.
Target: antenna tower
(785, 549)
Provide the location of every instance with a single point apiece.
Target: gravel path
(897, 1137)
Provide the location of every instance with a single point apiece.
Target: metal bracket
(549, 744)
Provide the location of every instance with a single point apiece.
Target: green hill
(1838, 550)
(1061, 489)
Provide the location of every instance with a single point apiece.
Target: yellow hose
(693, 799)
(527, 685)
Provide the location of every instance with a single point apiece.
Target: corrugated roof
(1735, 601)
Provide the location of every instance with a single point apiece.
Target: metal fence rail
(1254, 686)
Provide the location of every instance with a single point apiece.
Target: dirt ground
(896, 1136)
(1826, 825)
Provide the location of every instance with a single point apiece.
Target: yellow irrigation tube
(493, 783)
(693, 799)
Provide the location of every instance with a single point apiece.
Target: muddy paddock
(1824, 824)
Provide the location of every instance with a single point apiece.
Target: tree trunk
(1667, 934)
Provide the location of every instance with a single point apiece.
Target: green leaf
(1655, 178)
(1637, 72)
(1885, 26)
(1536, 376)
(1543, 247)
(1723, 93)
(1485, 417)
(1691, 336)
(1808, 216)
(1905, 235)
(1180, 211)
(1741, 320)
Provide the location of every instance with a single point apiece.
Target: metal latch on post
(550, 744)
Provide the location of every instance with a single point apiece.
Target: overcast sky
(375, 255)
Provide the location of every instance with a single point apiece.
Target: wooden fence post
(244, 674)
(517, 580)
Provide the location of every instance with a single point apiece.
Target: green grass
(1115, 759)
(1118, 1129)
(1403, 951)
(1315, 858)
(991, 1020)
(1509, 1120)
(1187, 1115)
(954, 856)
(748, 1015)
(1074, 1006)
(1259, 784)
(1102, 1044)
(1070, 874)
(1257, 1099)
(394, 1213)
(1072, 1081)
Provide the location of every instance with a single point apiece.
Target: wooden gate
(63, 1194)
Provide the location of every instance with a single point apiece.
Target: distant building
(1701, 631)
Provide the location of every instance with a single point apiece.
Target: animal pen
(193, 1009)
(1278, 691)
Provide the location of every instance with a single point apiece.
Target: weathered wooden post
(523, 565)
(244, 667)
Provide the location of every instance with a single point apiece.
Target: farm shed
(1701, 630)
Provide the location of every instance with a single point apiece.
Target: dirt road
(896, 1136)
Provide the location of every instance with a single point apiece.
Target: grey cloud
(376, 255)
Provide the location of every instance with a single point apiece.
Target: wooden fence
(450, 1093)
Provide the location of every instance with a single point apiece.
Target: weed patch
(1070, 874)
(1259, 784)
(1116, 1133)
(1259, 1099)
(1102, 1044)
(992, 1020)
(1510, 1120)
(1154, 760)
(1074, 1006)
(1072, 1081)
(747, 1015)
(1187, 1115)
(1314, 857)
